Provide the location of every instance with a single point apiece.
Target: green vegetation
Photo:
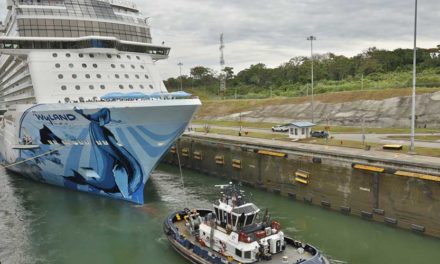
(373, 69)
(430, 138)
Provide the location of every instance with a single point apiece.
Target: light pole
(413, 108)
(180, 76)
(311, 39)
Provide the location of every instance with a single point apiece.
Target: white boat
(82, 104)
(234, 233)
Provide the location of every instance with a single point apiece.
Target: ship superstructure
(81, 102)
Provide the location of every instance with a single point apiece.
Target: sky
(273, 31)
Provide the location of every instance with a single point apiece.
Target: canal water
(44, 224)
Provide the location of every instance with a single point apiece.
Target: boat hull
(107, 149)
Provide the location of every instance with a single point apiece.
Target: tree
(200, 72)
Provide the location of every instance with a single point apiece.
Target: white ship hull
(105, 148)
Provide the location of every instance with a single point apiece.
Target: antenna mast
(222, 66)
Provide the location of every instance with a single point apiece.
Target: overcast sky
(273, 31)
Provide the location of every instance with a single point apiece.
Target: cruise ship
(82, 104)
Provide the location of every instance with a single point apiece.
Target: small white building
(300, 129)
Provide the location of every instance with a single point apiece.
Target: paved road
(373, 138)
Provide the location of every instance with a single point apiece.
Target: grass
(422, 138)
(333, 129)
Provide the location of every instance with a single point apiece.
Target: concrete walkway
(376, 155)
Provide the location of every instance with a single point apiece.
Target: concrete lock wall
(330, 182)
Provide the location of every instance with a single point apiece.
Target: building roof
(302, 124)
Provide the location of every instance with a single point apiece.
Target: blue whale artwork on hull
(115, 170)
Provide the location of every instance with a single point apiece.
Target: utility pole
(222, 66)
(311, 39)
(413, 108)
(180, 64)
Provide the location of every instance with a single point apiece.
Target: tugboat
(233, 233)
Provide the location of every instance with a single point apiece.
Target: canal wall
(392, 191)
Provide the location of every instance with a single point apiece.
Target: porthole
(98, 76)
(118, 56)
(151, 86)
(130, 86)
(84, 65)
(60, 76)
(95, 65)
(121, 86)
(137, 76)
(102, 86)
(68, 55)
(113, 66)
(77, 87)
(146, 77)
(63, 87)
(91, 56)
(91, 87)
(127, 76)
(117, 76)
(142, 67)
(122, 66)
(80, 55)
(58, 65)
(133, 67)
(142, 87)
(74, 76)
(54, 55)
(88, 76)
(137, 57)
(109, 56)
(129, 57)
(81, 99)
(67, 99)
(71, 65)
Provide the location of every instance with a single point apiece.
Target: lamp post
(180, 76)
(413, 108)
(311, 39)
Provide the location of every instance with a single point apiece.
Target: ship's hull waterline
(107, 148)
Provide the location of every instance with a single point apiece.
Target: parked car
(280, 128)
(319, 134)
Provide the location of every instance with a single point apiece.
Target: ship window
(122, 66)
(70, 65)
(54, 55)
(77, 87)
(102, 86)
(109, 56)
(63, 87)
(95, 65)
(234, 220)
(91, 55)
(129, 57)
(117, 76)
(91, 87)
(68, 55)
(137, 57)
(121, 86)
(142, 67)
(118, 56)
(113, 66)
(147, 77)
(81, 99)
(98, 76)
(60, 76)
(247, 255)
(84, 65)
(57, 65)
(137, 76)
(151, 86)
(67, 99)
(238, 252)
(133, 67)
(80, 55)
(88, 76)
(249, 219)
(142, 87)
(130, 86)
(74, 76)
(127, 76)
(216, 212)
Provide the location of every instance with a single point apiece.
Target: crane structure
(222, 66)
